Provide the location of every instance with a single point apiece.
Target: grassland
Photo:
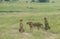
(9, 21)
(9, 25)
(29, 7)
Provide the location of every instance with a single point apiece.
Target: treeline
(31, 0)
(40, 0)
(7, 0)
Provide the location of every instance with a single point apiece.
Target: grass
(9, 24)
(9, 21)
(31, 7)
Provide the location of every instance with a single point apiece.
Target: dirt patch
(50, 35)
(27, 34)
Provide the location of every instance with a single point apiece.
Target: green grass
(36, 7)
(9, 24)
(9, 21)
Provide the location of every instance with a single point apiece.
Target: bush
(53, 1)
(33, 0)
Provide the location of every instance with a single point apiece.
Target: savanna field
(9, 21)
